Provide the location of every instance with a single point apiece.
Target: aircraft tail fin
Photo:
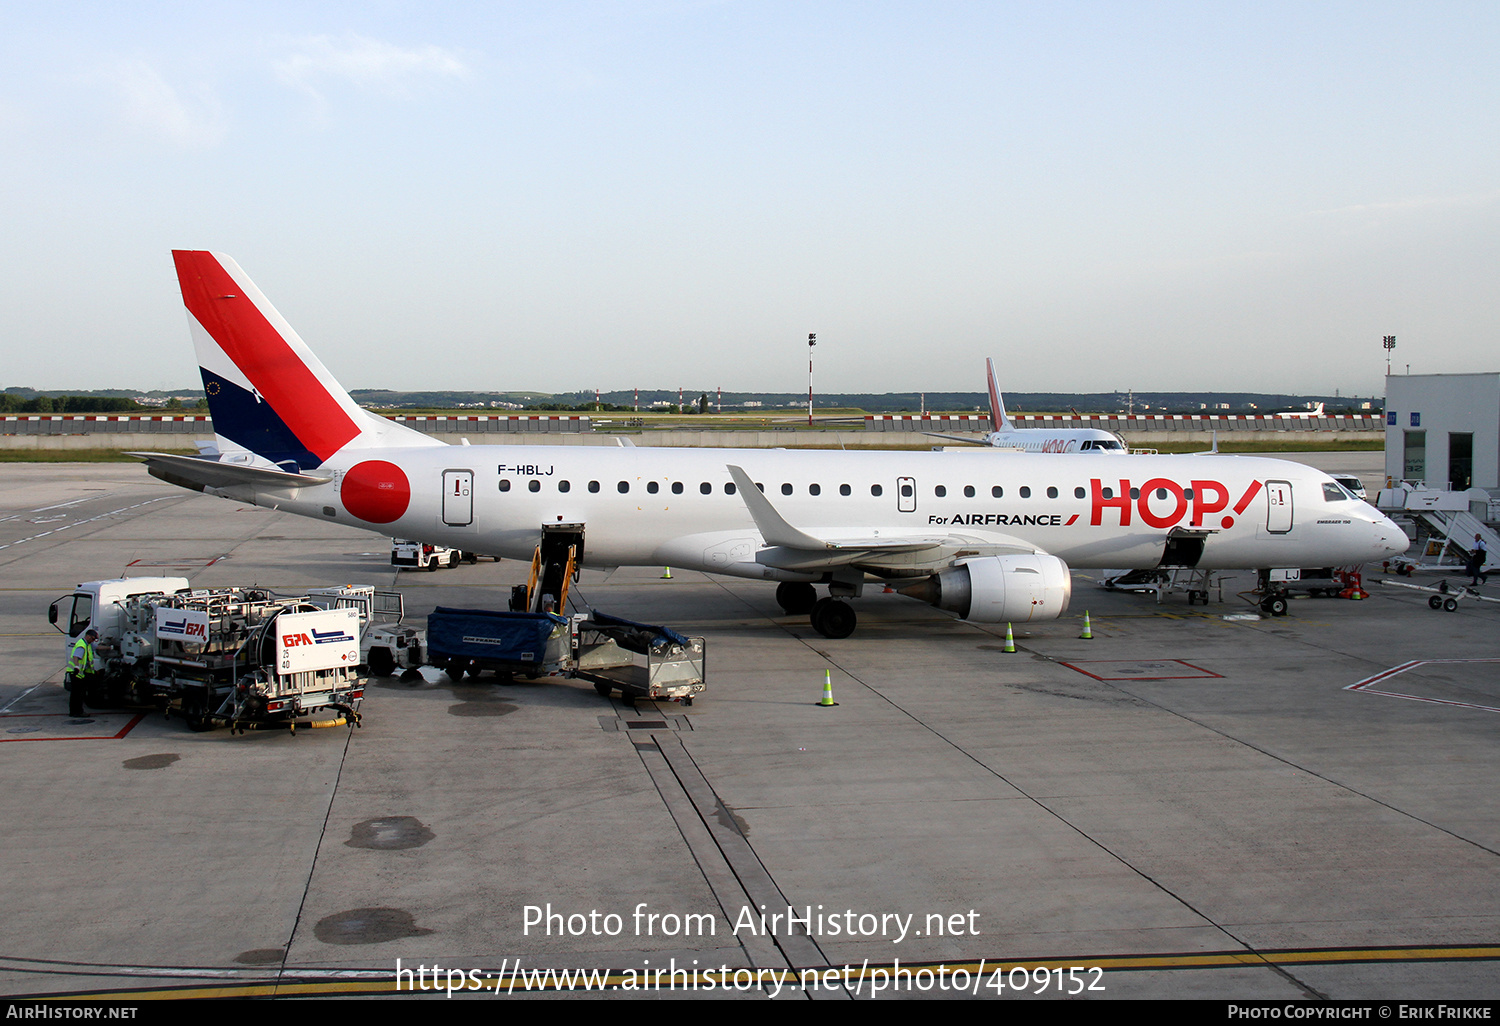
(268, 394)
(998, 420)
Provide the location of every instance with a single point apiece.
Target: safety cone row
(1088, 634)
(827, 702)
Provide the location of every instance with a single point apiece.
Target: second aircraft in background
(1004, 434)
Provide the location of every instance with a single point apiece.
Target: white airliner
(1316, 411)
(987, 538)
(1004, 434)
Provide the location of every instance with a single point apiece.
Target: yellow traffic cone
(666, 573)
(827, 701)
(1010, 640)
(1087, 635)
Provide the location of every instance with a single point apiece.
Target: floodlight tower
(812, 340)
(1389, 341)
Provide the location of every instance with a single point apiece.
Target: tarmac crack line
(751, 877)
(281, 969)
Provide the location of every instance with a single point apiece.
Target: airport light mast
(1389, 341)
(812, 340)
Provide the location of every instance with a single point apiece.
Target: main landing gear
(829, 616)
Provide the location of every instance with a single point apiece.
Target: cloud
(150, 105)
(367, 64)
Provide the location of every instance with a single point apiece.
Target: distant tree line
(11, 403)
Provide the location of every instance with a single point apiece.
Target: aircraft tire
(833, 619)
(1276, 606)
(796, 598)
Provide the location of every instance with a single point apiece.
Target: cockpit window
(1335, 492)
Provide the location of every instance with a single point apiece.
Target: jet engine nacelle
(1000, 589)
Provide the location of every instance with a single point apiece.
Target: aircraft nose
(1389, 538)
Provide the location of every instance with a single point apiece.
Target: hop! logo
(1164, 503)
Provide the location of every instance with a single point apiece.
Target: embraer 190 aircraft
(1004, 434)
(987, 536)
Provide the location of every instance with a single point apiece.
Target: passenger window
(786, 489)
(1025, 492)
(623, 486)
(1051, 493)
(875, 489)
(845, 490)
(676, 487)
(1135, 493)
(941, 491)
(1187, 493)
(593, 486)
(813, 489)
(997, 492)
(505, 484)
(729, 488)
(906, 491)
(652, 487)
(534, 485)
(1079, 493)
(705, 488)
(968, 491)
(1161, 493)
(1108, 493)
(563, 486)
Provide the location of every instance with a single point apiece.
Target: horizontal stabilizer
(197, 473)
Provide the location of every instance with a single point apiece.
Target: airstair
(1443, 525)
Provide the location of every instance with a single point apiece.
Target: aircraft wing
(197, 473)
(792, 548)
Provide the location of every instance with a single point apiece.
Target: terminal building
(1443, 430)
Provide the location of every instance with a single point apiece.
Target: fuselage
(1058, 440)
(671, 506)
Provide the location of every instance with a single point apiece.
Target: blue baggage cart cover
(490, 634)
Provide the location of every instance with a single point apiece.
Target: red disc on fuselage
(376, 491)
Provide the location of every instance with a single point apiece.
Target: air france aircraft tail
(998, 420)
(274, 404)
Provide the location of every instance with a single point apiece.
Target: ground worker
(80, 670)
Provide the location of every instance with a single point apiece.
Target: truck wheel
(382, 664)
(198, 721)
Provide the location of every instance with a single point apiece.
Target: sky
(607, 194)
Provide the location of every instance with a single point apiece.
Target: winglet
(773, 527)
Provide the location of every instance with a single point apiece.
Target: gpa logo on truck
(184, 629)
(318, 638)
